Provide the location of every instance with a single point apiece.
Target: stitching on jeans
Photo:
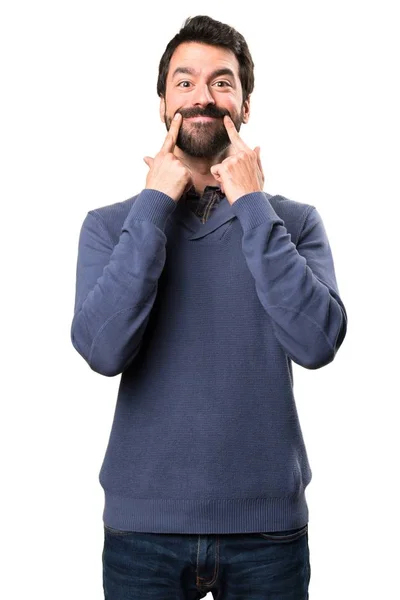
(216, 568)
(295, 535)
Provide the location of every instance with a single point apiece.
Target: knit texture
(203, 321)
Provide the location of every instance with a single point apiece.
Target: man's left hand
(241, 171)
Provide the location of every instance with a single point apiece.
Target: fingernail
(177, 115)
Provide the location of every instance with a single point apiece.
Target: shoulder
(112, 216)
(293, 212)
(289, 205)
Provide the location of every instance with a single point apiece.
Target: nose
(202, 95)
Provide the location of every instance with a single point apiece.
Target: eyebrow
(216, 73)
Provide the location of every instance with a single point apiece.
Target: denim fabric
(203, 205)
(163, 566)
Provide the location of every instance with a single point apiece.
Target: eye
(224, 83)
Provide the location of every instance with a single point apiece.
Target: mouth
(200, 119)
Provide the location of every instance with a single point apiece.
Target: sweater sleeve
(116, 285)
(296, 284)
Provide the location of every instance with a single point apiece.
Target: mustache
(211, 111)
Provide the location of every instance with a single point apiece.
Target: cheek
(170, 105)
(233, 108)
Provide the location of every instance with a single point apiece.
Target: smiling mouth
(200, 119)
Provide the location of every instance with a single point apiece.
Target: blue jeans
(170, 566)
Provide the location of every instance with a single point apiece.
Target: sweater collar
(221, 214)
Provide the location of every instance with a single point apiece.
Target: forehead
(203, 58)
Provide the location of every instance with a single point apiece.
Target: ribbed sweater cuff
(254, 209)
(151, 205)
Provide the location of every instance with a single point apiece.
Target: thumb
(214, 170)
(149, 161)
(215, 173)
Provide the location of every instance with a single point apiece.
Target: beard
(204, 140)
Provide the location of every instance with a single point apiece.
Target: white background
(79, 110)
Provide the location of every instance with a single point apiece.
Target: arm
(116, 285)
(295, 284)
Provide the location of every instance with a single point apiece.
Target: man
(200, 291)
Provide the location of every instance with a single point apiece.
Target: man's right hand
(167, 173)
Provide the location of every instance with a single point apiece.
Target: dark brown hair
(205, 30)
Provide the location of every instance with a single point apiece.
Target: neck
(200, 168)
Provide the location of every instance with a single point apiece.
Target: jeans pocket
(113, 531)
(288, 535)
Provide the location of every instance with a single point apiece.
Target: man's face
(203, 84)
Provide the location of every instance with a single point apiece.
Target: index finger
(171, 137)
(234, 136)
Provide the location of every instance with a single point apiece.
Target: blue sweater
(202, 321)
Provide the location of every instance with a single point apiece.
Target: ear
(246, 110)
(162, 109)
